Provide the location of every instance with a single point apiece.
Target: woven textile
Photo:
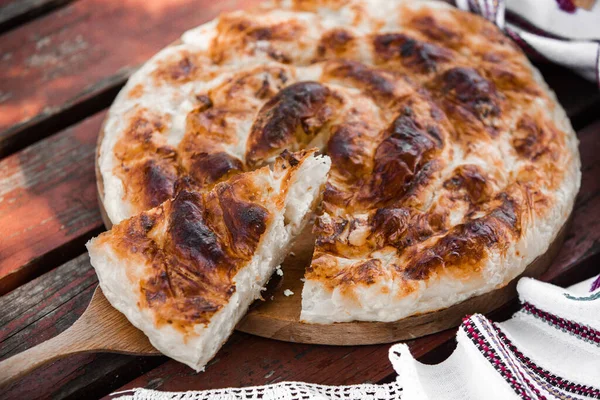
(550, 349)
(557, 31)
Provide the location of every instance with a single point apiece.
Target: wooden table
(61, 64)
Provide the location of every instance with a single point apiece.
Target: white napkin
(549, 349)
(554, 30)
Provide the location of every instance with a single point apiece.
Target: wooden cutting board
(277, 315)
(100, 328)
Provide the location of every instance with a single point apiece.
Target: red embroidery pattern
(567, 5)
(545, 374)
(584, 332)
(520, 366)
(489, 353)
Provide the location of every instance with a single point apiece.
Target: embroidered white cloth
(550, 349)
(559, 31)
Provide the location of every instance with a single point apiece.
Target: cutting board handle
(100, 328)
(15, 367)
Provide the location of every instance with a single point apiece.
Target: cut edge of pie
(138, 260)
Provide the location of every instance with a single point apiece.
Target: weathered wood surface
(101, 329)
(16, 12)
(45, 307)
(47, 203)
(65, 66)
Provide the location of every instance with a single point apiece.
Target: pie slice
(186, 271)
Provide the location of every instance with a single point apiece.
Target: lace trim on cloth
(547, 350)
(277, 391)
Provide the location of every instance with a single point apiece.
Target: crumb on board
(288, 292)
(292, 254)
(279, 270)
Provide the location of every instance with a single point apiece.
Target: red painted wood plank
(260, 361)
(60, 61)
(48, 205)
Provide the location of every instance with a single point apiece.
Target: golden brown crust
(187, 251)
(192, 247)
(291, 118)
(443, 144)
(464, 248)
(182, 68)
(146, 162)
(401, 51)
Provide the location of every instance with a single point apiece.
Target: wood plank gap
(83, 53)
(47, 313)
(19, 12)
(56, 178)
(93, 100)
(48, 261)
